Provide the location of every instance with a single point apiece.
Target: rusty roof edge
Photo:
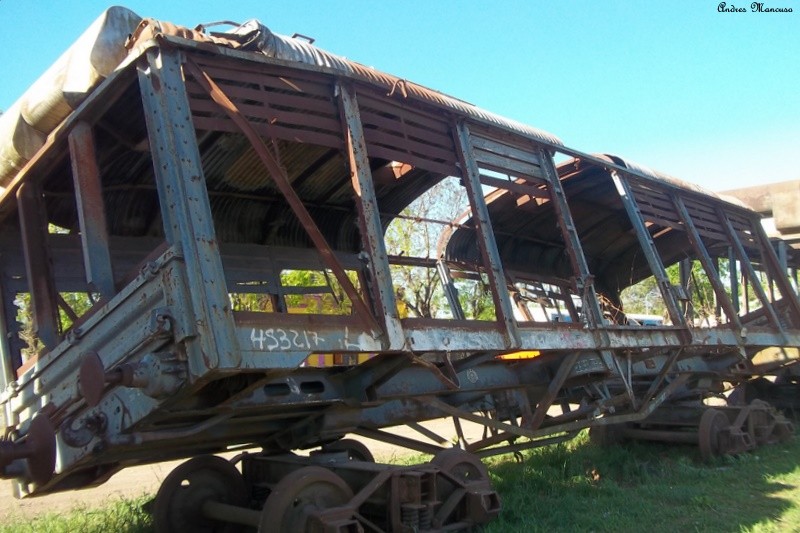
(611, 161)
(302, 54)
(678, 183)
(288, 48)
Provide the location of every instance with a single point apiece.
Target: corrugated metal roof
(290, 49)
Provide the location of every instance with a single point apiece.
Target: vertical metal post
(281, 179)
(38, 268)
(580, 268)
(783, 257)
(91, 211)
(717, 300)
(707, 262)
(186, 208)
(450, 291)
(685, 268)
(8, 363)
(747, 268)
(649, 248)
(369, 214)
(777, 273)
(733, 273)
(483, 226)
(583, 277)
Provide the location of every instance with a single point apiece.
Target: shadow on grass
(647, 487)
(576, 486)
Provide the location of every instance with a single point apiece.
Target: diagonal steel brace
(284, 185)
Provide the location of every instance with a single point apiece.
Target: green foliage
(424, 229)
(73, 305)
(306, 292)
(577, 486)
(475, 298)
(123, 516)
(324, 295)
(417, 235)
(645, 297)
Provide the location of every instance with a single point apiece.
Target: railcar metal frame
(161, 366)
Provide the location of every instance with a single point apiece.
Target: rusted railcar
(212, 211)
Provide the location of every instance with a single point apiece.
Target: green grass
(647, 487)
(580, 487)
(122, 516)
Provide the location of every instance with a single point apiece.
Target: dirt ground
(145, 480)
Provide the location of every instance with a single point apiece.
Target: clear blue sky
(709, 97)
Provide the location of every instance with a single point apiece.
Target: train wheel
(712, 434)
(299, 495)
(179, 502)
(462, 465)
(356, 450)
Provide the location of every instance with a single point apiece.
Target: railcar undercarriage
(197, 256)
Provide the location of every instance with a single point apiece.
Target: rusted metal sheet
(182, 192)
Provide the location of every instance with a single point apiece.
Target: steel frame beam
(281, 180)
(584, 280)
(91, 211)
(773, 264)
(749, 271)
(487, 245)
(38, 269)
(369, 214)
(649, 248)
(185, 205)
(707, 262)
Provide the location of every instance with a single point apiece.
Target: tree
(645, 297)
(417, 233)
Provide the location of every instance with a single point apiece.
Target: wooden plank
(511, 138)
(275, 116)
(369, 103)
(660, 221)
(507, 165)
(270, 97)
(446, 168)
(376, 137)
(659, 201)
(506, 150)
(520, 186)
(370, 119)
(277, 79)
(270, 131)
